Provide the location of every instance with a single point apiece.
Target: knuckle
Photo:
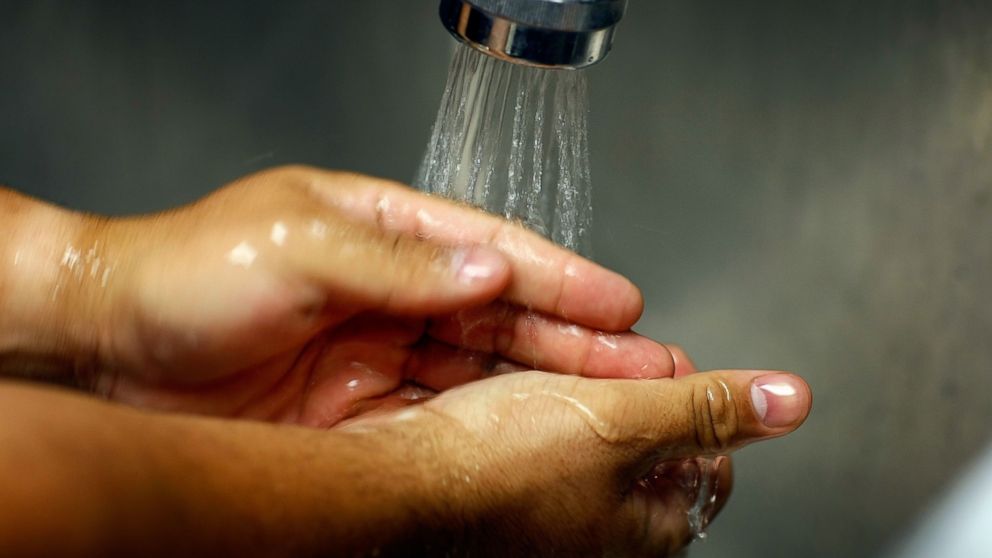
(292, 169)
(715, 417)
(283, 178)
(292, 174)
(413, 262)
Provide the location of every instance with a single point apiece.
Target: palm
(358, 365)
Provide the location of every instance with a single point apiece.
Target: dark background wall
(795, 185)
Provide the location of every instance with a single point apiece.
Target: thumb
(711, 413)
(364, 267)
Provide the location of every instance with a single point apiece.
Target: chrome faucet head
(545, 33)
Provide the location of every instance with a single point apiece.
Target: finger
(362, 267)
(545, 277)
(551, 344)
(707, 413)
(431, 363)
(441, 367)
(682, 361)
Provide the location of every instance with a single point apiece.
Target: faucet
(566, 34)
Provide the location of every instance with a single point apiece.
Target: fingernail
(476, 264)
(778, 399)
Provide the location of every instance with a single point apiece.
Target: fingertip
(781, 400)
(626, 303)
(635, 306)
(684, 364)
(769, 403)
(428, 280)
(718, 412)
(480, 267)
(475, 275)
(603, 300)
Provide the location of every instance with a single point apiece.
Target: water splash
(513, 140)
(697, 479)
(701, 511)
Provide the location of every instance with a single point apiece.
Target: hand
(534, 464)
(524, 464)
(307, 296)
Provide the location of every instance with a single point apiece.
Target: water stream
(513, 140)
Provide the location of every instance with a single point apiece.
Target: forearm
(83, 477)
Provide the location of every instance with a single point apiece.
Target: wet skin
(303, 296)
(345, 302)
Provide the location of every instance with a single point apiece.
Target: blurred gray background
(794, 185)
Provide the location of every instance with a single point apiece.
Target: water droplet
(70, 258)
(318, 229)
(279, 233)
(242, 255)
(608, 340)
(407, 415)
(571, 330)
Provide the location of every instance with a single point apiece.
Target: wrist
(47, 322)
(297, 491)
(423, 486)
(386, 488)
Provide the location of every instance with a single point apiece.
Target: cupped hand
(537, 464)
(308, 296)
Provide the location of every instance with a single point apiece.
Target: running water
(513, 140)
(705, 491)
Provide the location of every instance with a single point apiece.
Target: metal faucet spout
(565, 34)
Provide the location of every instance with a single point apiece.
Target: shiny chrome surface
(556, 34)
